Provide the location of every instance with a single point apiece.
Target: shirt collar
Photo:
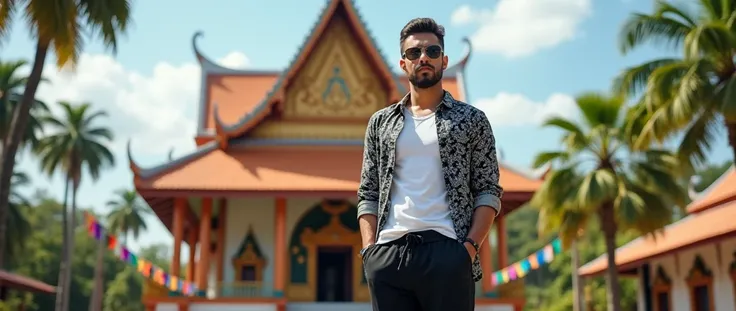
(447, 100)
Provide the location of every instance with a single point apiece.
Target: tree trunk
(578, 303)
(613, 288)
(99, 287)
(64, 265)
(70, 249)
(17, 131)
(731, 129)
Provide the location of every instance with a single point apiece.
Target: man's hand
(471, 250)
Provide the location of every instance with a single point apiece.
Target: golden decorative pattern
(333, 234)
(310, 130)
(336, 81)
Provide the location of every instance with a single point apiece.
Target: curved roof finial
(464, 60)
(200, 57)
(133, 166)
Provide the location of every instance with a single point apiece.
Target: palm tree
(693, 93)
(18, 226)
(569, 223)
(126, 217)
(75, 145)
(55, 25)
(10, 86)
(598, 175)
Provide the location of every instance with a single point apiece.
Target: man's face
(423, 60)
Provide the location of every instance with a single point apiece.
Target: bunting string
(143, 266)
(521, 268)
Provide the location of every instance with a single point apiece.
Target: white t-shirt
(418, 195)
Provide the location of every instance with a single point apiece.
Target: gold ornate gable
(337, 80)
(249, 257)
(336, 83)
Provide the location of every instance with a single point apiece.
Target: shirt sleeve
(368, 190)
(484, 176)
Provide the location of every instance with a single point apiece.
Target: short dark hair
(422, 25)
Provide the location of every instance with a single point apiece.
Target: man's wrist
(471, 242)
(365, 249)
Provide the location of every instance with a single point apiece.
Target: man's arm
(368, 191)
(484, 180)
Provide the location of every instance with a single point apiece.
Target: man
(429, 187)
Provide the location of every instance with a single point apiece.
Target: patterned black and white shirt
(469, 163)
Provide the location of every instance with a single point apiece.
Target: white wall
(259, 213)
(678, 265)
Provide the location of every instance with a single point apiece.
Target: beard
(425, 80)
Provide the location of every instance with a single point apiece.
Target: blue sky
(531, 58)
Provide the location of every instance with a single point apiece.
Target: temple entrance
(323, 263)
(334, 274)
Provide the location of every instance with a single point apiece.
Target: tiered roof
(233, 102)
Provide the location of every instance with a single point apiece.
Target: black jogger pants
(422, 271)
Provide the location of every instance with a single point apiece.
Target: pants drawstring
(405, 250)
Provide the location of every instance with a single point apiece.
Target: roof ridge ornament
(200, 57)
(464, 60)
(131, 162)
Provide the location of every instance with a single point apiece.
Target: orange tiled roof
(722, 190)
(236, 95)
(274, 169)
(713, 224)
(264, 170)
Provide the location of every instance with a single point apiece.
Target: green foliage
(124, 289)
(549, 288)
(42, 256)
(692, 95)
(710, 174)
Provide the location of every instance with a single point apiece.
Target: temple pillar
(222, 215)
(503, 252)
(178, 231)
(280, 250)
(205, 238)
(192, 265)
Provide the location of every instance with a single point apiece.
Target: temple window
(700, 285)
(249, 261)
(662, 291)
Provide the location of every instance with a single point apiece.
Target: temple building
(692, 265)
(267, 201)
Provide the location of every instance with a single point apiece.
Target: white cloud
(157, 111)
(235, 59)
(506, 109)
(518, 28)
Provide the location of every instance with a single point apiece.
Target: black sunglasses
(432, 51)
